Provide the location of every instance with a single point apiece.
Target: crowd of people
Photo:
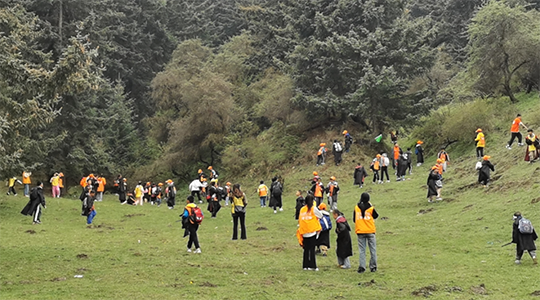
(311, 211)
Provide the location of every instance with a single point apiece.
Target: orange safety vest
(321, 150)
(61, 182)
(83, 182)
(376, 164)
(396, 153)
(440, 168)
(307, 223)
(26, 180)
(331, 189)
(318, 191)
(443, 156)
(364, 224)
(515, 125)
(481, 140)
(101, 184)
(263, 190)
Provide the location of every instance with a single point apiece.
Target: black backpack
(277, 190)
(88, 202)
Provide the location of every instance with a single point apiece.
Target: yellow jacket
(480, 139)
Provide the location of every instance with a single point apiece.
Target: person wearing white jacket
(195, 189)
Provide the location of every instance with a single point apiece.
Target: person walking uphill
(337, 150)
(364, 220)
(308, 229)
(514, 130)
(484, 174)
(348, 141)
(480, 143)
(359, 175)
(37, 200)
(524, 235)
(170, 191)
(238, 210)
(532, 152)
(321, 154)
(419, 151)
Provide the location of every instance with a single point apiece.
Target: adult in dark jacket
(401, 166)
(122, 189)
(343, 241)
(523, 241)
(37, 200)
(359, 174)
(419, 153)
(276, 191)
(484, 173)
(431, 183)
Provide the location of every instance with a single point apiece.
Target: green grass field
(444, 250)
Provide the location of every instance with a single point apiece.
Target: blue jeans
(263, 200)
(26, 189)
(90, 217)
(372, 244)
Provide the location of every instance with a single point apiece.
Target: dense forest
(161, 88)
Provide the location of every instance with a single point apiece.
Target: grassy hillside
(445, 250)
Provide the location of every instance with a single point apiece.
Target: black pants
(320, 159)
(375, 175)
(514, 135)
(242, 217)
(479, 152)
(121, 196)
(171, 202)
(309, 252)
(12, 190)
(193, 238)
(278, 202)
(384, 170)
(318, 201)
(216, 206)
(198, 193)
(337, 157)
(37, 214)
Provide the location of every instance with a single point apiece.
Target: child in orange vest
(321, 154)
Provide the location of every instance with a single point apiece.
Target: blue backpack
(326, 223)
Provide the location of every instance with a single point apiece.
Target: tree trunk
(509, 93)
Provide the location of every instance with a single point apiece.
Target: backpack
(277, 190)
(525, 226)
(196, 216)
(337, 146)
(88, 202)
(478, 165)
(326, 224)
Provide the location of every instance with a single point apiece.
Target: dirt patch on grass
(468, 207)
(58, 279)
(31, 231)
(278, 249)
(260, 228)
(389, 232)
(425, 291)
(137, 254)
(82, 256)
(453, 289)
(385, 218)
(207, 284)
(533, 201)
(367, 283)
(134, 215)
(25, 282)
(466, 187)
(425, 211)
(82, 269)
(535, 293)
(449, 199)
(480, 290)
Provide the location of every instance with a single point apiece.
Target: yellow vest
(307, 222)
(237, 202)
(263, 190)
(364, 224)
(532, 147)
(481, 140)
(11, 182)
(55, 181)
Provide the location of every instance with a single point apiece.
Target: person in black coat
(523, 241)
(402, 166)
(300, 202)
(419, 153)
(359, 174)
(431, 183)
(343, 241)
(484, 173)
(37, 200)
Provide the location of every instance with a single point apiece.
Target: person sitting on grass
(343, 241)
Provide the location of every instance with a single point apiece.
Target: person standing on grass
(101, 187)
(515, 132)
(122, 189)
(215, 197)
(337, 150)
(195, 188)
(375, 166)
(276, 189)
(139, 191)
(532, 152)
(402, 166)
(395, 152)
(263, 193)
(480, 143)
(190, 226)
(443, 156)
(88, 208)
(317, 189)
(26, 181)
(35, 204)
(419, 151)
(300, 202)
(348, 140)
(321, 154)
(385, 162)
(364, 220)
(238, 210)
(484, 174)
(523, 239)
(55, 183)
(308, 229)
(433, 189)
(170, 191)
(323, 240)
(333, 190)
(11, 185)
(359, 175)
(343, 241)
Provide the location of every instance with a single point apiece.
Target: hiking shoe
(535, 260)
(281, 209)
(438, 199)
(361, 270)
(198, 250)
(316, 269)
(344, 267)
(189, 250)
(388, 180)
(373, 269)
(520, 144)
(275, 211)
(508, 147)
(430, 201)
(518, 262)
(306, 269)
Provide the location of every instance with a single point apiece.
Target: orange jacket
(364, 224)
(318, 190)
(83, 182)
(515, 125)
(101, 184)
(61, 182)
(440, 168)
(26, 179)
(396, 152)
